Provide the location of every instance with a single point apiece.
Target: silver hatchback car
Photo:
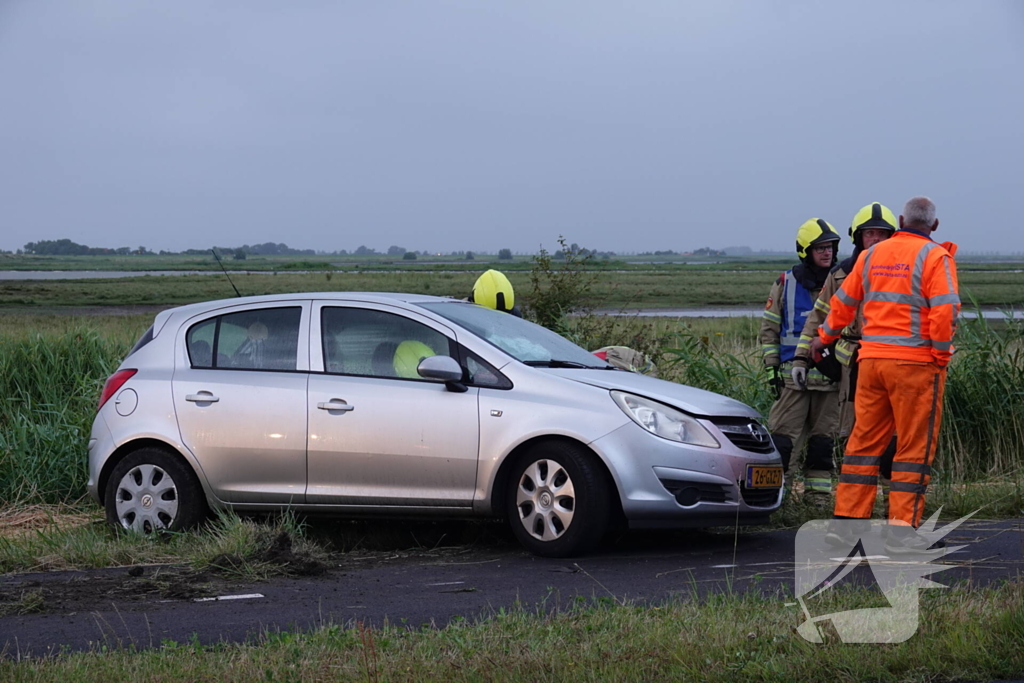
(398, 404)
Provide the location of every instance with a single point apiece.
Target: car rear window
(260, 339)
(146, 337)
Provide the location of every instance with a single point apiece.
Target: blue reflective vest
(797, 302)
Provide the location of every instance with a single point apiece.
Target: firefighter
(493, 290)
(871, 225)
(906, 288)
(811, 405)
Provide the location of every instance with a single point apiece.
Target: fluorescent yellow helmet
(493, 290)
(874, 215)
(408, 356)
(815, 231)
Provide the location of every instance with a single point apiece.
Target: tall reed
(49, 385)
(983, 424)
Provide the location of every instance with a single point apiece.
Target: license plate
(763, 477)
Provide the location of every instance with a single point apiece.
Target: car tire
(151, 490)
(558, 500)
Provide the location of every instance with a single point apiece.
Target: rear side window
(146, 337)
(358, 341)
(262, 339)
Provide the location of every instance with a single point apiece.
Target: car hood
(688, 399)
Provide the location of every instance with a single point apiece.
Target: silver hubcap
(147, 499)
(546, 500)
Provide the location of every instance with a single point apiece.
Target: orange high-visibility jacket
(909, 288)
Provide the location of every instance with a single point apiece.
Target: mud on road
(429, 585)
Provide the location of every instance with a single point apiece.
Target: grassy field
(664, 288)
(965, 635)
(51, 371)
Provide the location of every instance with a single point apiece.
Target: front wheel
(558, 500)
(152, 490)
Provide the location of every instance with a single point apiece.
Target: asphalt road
(113, 608)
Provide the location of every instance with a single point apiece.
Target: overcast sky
(483, 124)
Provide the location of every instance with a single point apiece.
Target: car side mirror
(444, 368)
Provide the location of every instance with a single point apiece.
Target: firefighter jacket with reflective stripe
(849, 344)
(783, 319)
(907, 287)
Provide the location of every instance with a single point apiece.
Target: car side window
(481, 373)
(359, 341)
(261, 339)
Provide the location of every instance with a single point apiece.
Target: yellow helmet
(874, 215)
(814, 231)
(408, 356)
(493, 290)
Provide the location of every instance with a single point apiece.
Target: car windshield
(523, 340)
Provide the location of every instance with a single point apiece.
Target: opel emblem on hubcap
(147, 501)
(545, 500)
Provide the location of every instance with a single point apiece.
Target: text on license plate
(763, 477)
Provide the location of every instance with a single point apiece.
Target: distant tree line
(66, 247)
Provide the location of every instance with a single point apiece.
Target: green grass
(965, 634)
(227, 541)
(667, 287)
(52, 368)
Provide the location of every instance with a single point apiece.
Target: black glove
(775, 380)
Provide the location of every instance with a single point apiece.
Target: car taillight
(114, 382)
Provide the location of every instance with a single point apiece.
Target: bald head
(919, 214)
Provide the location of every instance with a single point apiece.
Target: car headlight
(668, 423)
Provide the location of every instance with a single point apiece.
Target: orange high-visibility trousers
(902, 396)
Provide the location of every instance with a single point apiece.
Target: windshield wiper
(554, 363)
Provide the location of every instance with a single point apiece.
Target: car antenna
(217, 256)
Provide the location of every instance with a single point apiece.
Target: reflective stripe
(942, 345)
(865, 479)
(823, 485)
(866, 269)
(914, 342)
(829, 331)
(897, 298)
(915, 467)
(790, 310)
(944, 299)
(773, 317)
(846, 298)
(915, 287)
(918, 273)
(908, 487)
(823, 306)
(843, 354)
(951, 288)
(863, 460)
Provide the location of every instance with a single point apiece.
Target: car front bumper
(663, 483)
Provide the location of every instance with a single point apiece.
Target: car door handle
(201, 398)
(335, 404)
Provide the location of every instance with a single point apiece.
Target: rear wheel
(558, 500)
(152, 490)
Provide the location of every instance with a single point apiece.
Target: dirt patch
(18, 522)
(279, 554)
(79, 591)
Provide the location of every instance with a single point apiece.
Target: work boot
(845, 532)
(904, 540)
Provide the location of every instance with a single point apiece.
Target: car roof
(189, 310)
